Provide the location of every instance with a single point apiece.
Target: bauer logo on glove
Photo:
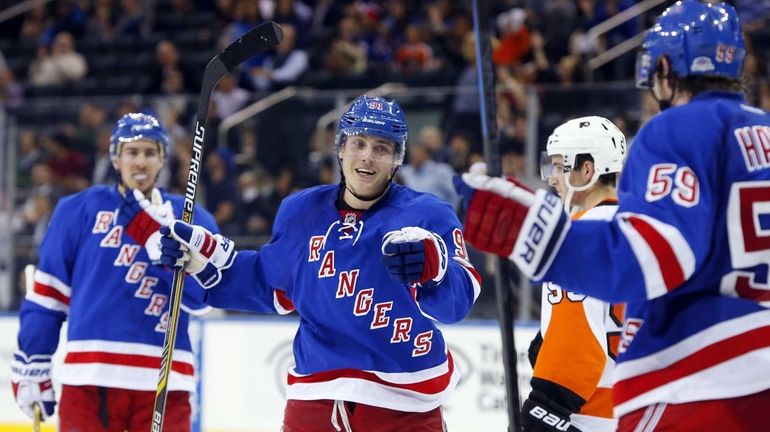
(506, 218)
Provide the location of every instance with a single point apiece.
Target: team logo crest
(702, 64)
(350, 218)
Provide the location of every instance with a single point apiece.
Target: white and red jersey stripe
(419, 391)
(50, 292)
(132, 366)
(696, 367)
(664, 255)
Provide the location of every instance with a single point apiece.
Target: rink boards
(243, 363)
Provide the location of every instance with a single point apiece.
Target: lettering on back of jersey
(754, 142)
(103, 222)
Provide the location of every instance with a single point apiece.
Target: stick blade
(257, 40)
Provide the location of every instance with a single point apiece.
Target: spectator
(44, 183)
(11, 91)
(256, 215)
(29, 155)
(347, 56)
(283, 68)
(69, 18)
(167, 63)
(101, 23)
(415, 55)
(229, 97)
(90, 119)
(103, 171)
(36, 21)
(425, 175)
(294, 13)
(431, 137)
(556, 21)
(220, 191)
(34, 217)
(132, 20)
(245, 15)
(61, 65)
(459, 148)
(464, 114)
(67, 165)
(514, 37)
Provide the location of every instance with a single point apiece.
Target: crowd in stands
(117, 47)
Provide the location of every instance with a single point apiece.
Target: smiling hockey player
(95, 272)
(368, 265)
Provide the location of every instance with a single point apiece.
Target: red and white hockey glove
(415, 255)
(142, 218)
(202, 254)
(31, 383)
(506, 218)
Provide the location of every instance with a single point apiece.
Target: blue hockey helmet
(374, 116)
(136, 126)
(699, 39)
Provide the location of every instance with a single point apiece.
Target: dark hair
(610, 179)
(695, 84)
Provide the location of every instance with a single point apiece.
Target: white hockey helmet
(593, 135)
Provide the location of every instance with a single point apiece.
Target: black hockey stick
(255, 41)
(488, 108)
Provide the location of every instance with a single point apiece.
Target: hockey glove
(31, 383)
(202, 254)
(538, 414)
(142, 218)
(414, 255)
(534, 348)
(506, 218)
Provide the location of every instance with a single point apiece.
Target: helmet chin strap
(572, 189)
(665, 104)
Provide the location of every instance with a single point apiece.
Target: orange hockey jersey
(580, 341)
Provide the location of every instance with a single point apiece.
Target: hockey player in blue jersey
(689, 247)
(96, 272)
(369, 266)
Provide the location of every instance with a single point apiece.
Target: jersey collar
(720, 94)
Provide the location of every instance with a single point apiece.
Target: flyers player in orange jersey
(571, 384)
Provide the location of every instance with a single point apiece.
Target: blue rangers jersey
(97, 278)
(689, 250)
(362, 337)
